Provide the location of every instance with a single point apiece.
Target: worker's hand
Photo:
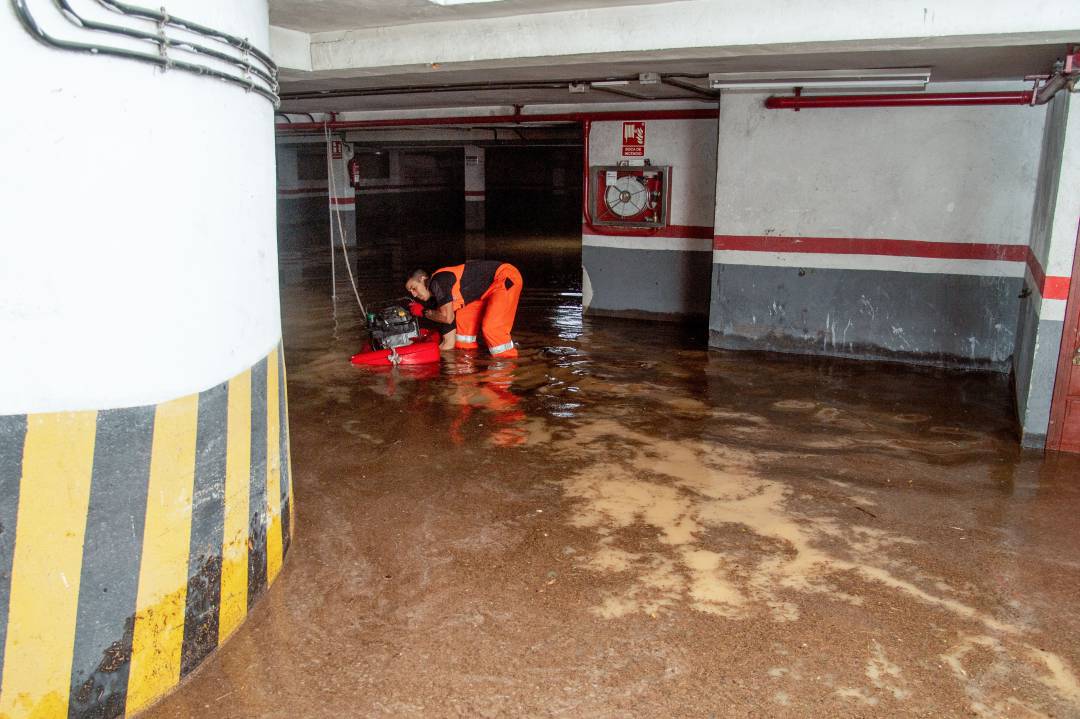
(416, 309)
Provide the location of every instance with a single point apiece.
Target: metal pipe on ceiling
(1064, 76)
(681, 80)
(515, 119)
(907, 99)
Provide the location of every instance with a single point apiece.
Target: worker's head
(417, 285)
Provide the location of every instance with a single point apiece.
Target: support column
(475, 197)
(145, 493)
(1050, 259)
(342, 195)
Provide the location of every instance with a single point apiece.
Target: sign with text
(633, 139)
(335, 149)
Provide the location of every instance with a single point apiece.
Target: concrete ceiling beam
(685, 30)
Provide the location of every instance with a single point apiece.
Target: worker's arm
(443, 315)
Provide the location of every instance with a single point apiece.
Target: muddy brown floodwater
(621, 523)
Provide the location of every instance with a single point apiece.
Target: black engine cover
(392, 326)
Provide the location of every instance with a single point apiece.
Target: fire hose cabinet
(630, 195)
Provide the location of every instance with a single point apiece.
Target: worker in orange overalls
(477, 298)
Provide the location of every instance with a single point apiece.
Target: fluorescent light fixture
(461, 2)
(914, 78)
(610, 83)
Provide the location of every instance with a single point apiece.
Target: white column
(140, 252)
(342, 195)
(475, 198)
(1054, 231)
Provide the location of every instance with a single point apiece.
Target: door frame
(1069, 340)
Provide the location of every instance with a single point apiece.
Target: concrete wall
(873, 233)
(1049, 266)
(423, 194)
(662, 274)
(144, 498)
(302, 218)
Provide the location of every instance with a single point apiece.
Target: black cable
(30, 24)
(162, 41)
(159, 17)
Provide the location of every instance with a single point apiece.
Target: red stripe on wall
(1056, 288)
(691, 232)
(868, 246)
(342, 200)
(1051, 288)
(474, 193)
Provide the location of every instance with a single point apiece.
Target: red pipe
(928, 99)
(586, 128)
(502, 119)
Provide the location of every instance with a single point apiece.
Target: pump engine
(392, 326)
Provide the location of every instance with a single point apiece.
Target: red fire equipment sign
(633, 139)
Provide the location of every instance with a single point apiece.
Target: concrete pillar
(342, 195)
(475, 199)
(145, 492)
(1054, 230)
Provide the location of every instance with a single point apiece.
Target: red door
(1064, 433)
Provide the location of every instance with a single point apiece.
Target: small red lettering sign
(633, 139)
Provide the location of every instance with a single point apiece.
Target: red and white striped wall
(896, 255)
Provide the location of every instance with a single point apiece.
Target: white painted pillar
(144, 472)
(342, 195)
(1054, 229)
(138, 221)
(475, 189)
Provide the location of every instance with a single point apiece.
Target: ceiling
(327, 15)
(948, 65)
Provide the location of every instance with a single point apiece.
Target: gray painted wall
(652, 284)
(944, 320)
(942, 175)
(1036, 367)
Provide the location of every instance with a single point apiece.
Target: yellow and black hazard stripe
(134, 541)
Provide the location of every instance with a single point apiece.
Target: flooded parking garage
(622, 522)
(787, 433)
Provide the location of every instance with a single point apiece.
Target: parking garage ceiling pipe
(1064, 76)
(617, 85)
(514, 119)
(907, 99)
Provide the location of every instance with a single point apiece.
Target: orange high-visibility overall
(492, 315)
